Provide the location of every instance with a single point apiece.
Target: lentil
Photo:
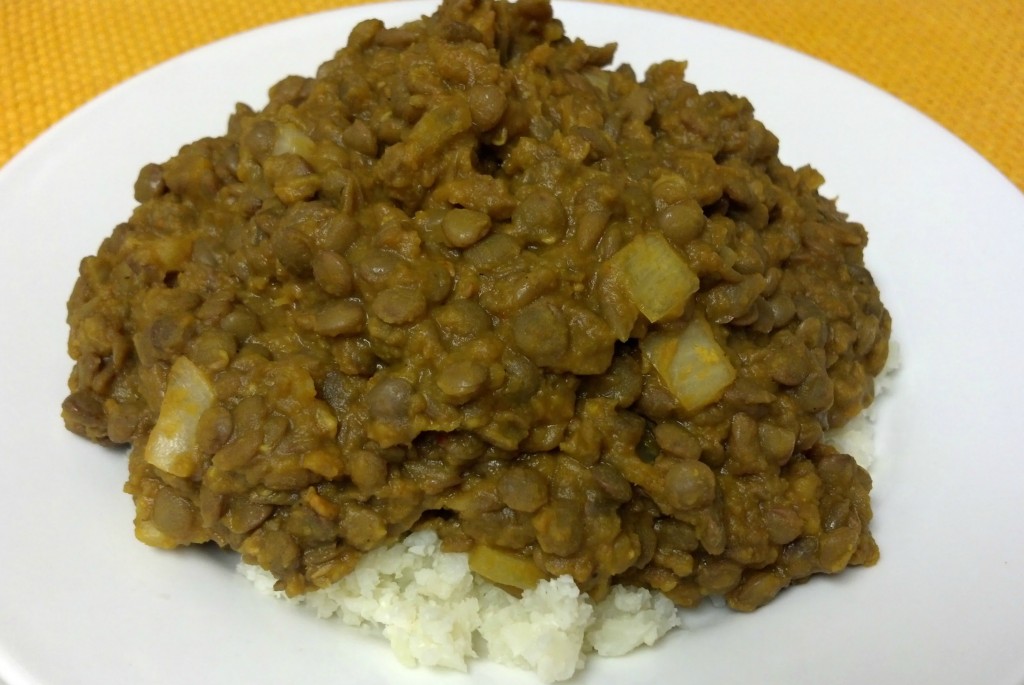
(394, 290)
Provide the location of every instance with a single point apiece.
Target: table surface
(959, 62)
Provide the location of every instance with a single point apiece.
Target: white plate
(82, 602)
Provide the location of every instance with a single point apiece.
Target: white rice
(857, 438)
(435, 612)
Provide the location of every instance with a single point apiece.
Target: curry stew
(471, 278)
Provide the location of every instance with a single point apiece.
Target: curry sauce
(472, 278)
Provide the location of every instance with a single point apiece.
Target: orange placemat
(958, 62)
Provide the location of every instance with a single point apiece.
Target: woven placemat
(960, 63)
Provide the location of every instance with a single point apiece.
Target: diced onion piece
(291, 139)
(148, 533)
(691, 363)
(172, 444)
(504, 568)
(655, 277)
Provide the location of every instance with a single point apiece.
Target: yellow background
(960, 62)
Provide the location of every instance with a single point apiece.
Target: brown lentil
(390, 279)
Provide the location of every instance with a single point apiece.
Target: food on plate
(471, 279)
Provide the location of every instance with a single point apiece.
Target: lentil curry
(471, 278)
